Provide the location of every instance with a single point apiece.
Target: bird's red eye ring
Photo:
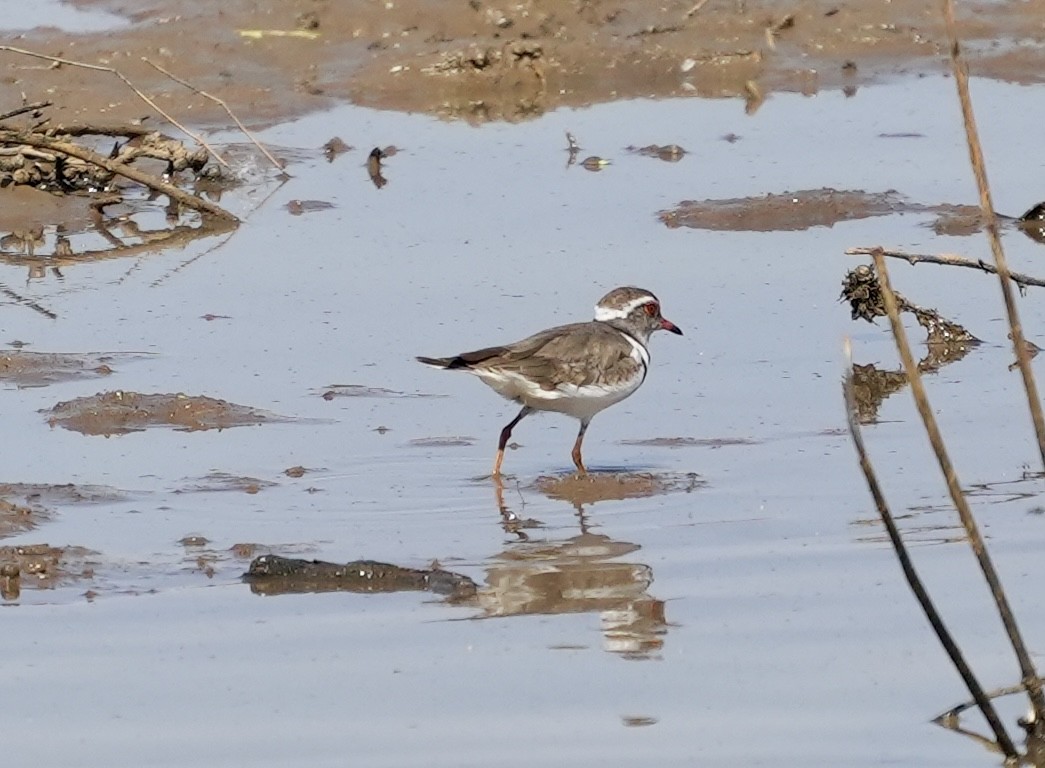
(652, 309)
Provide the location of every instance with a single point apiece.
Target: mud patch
(275, 575)
(807, 208)
(579, 490)
(41, 566)
(118, 413)
(18, 518)
(669, 153)
(441, 442)
(487, 61)
(361, 390)
(39, 369)
(691, 442)
(61, 494)
(224, 482)
(24, 506)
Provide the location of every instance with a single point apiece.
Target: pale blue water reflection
(785, 637)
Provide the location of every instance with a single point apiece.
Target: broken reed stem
(961, 504)
(99, 68)
(122, 169)
(948, 259)
(223, 105)
(911, 574)
(961, 80)
(25, 108)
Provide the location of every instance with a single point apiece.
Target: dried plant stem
(99, 68)
(911, 574)
(223, 105)
(961, 504)
(128, 171)
(25, 108)
(949, 259)
(961, 80)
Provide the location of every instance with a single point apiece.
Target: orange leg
(506, 433)
(577, 460)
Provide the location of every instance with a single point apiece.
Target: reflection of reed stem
(961, 79)
(961, 504)
(913, 580)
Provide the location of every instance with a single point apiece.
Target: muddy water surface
(721, 595)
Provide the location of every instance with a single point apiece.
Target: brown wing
(570, 354)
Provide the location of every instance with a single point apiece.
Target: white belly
(581, 402)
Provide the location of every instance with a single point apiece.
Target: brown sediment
(117, 413)
(276, 575)
(38, 369)
(614, 486)
(223, 481)
(807, 208)
(270, 60)
(441, 442)
(691, 442)
(42, 566)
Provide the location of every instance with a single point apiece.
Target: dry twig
(128, 171)
(961, 504)
(223, 105)
(99, 68)
(949, 259)
(25, 108)
(913, 580)
(961, 80)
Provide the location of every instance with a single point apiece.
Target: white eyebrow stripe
(612, 313)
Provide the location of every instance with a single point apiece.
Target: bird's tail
(440, 362)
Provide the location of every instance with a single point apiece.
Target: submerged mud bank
(484, 60)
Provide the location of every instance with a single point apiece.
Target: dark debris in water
(873, 385)
(120, 412)
(862, 291)
(275, 575)
(669, 153)
(335, 147)
(298, 207)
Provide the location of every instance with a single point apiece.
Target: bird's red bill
(667, 325)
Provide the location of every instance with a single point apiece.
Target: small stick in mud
(41, 141)
(911, 574)
(129, 84)
(34, 107)
(949, 259)
(961, 504)
(279, 166)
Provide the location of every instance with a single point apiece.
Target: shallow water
(57, 14)
(788, 635)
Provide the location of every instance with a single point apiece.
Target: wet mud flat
(494, 61)
(723, 554)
